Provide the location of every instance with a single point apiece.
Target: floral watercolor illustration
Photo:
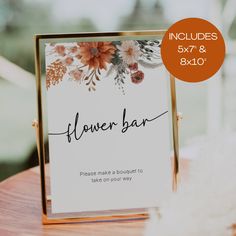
(88, 62)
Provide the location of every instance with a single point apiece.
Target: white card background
(144, 148)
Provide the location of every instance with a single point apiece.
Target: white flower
(129, 51)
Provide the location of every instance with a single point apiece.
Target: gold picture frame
(47, 217)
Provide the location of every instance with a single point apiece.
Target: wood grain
(20, 213)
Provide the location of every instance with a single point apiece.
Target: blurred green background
(21, 19)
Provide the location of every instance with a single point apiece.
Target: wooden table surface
(20, 213)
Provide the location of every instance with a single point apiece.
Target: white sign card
(108, 125)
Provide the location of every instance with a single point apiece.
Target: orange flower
(76, 74)
(68, 61)
(96, 54)
(60, 49)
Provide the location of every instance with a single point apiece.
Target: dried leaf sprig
(55, 73)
